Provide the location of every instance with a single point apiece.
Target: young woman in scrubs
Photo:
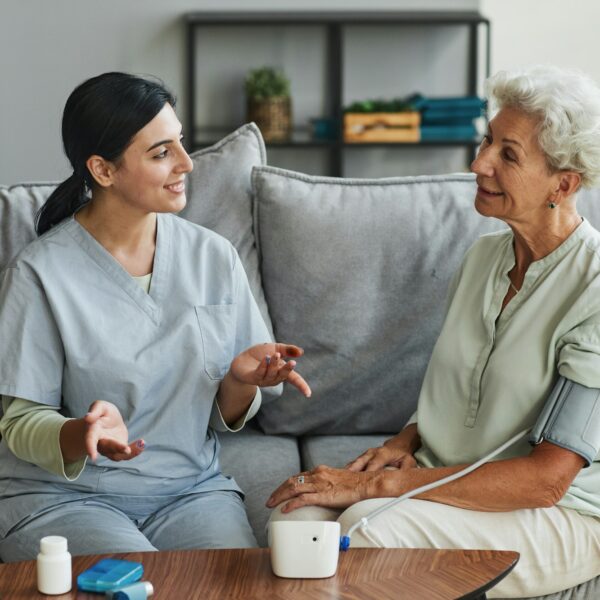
(129, 336)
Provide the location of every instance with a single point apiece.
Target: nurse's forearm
(234, 398)
(72, 440)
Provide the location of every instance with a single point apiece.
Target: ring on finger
(300, 479)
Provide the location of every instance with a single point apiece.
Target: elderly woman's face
(514, 182)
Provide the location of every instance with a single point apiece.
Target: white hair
(567, 104)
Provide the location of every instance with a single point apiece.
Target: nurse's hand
(106, 433)
(264, 365)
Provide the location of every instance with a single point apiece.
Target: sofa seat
(589, 590)
(259, 463)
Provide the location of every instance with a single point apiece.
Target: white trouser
(559, 547)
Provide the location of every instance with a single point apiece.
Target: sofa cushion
(588, 206)
(18, 207)
(585, 591)
(356, 272)
(220, 197)
(335, 450)
(259, 463)
(218, 192)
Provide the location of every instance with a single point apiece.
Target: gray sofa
(354, 271)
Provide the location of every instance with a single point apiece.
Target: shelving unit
(334, 25)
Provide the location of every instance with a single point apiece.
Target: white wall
(560, 32)
(47, 47)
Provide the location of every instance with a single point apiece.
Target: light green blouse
(491, 372)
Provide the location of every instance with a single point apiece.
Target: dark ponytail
(101, 116)
(65, 200)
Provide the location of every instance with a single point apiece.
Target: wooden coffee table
(363, 573)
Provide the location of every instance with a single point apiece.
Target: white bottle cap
(149, 588)
(53, 544)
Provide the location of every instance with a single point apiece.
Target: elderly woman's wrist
(383, 484)
(408, 440)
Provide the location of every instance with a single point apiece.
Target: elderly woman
(523, 310)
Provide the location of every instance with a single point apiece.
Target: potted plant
(269, 103)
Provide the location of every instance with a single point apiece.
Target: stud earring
(551, 205)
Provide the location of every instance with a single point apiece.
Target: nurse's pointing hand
(107, 434)
(264, 365)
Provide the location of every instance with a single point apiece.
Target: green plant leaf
(266, 82)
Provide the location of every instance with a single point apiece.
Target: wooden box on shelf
(382, 127)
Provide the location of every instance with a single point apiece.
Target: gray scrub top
(80, 328)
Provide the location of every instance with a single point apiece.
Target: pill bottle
(53, 566)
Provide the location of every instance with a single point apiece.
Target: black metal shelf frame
(335, 23)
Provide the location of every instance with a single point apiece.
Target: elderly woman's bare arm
(539, 480)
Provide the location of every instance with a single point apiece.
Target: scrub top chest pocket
(217, 328)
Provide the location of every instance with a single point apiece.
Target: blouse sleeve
(32, 433)
(579, 353)
(217, 422)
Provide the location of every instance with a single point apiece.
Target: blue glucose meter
(108, 574)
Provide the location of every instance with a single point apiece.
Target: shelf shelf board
(302, 139)
(335, 17)
(299, 138)
(467, 143)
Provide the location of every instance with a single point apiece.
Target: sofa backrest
(219, 197)
(18, 207)
(356, 272)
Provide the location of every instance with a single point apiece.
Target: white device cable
(345, 539)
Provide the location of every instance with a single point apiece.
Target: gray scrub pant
(109, 524)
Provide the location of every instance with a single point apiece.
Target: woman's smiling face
(151, 172)
(514, 182)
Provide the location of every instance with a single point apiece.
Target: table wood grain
(245, 574)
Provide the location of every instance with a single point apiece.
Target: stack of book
(449, 119)
(414, 119)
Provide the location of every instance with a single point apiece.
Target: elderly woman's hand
(325, 486)
(387, 455)
(263, 365)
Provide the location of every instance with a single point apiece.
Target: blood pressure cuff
(570, 419)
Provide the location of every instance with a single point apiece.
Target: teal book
(448, 132)
(453, 103)
(459, 116)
